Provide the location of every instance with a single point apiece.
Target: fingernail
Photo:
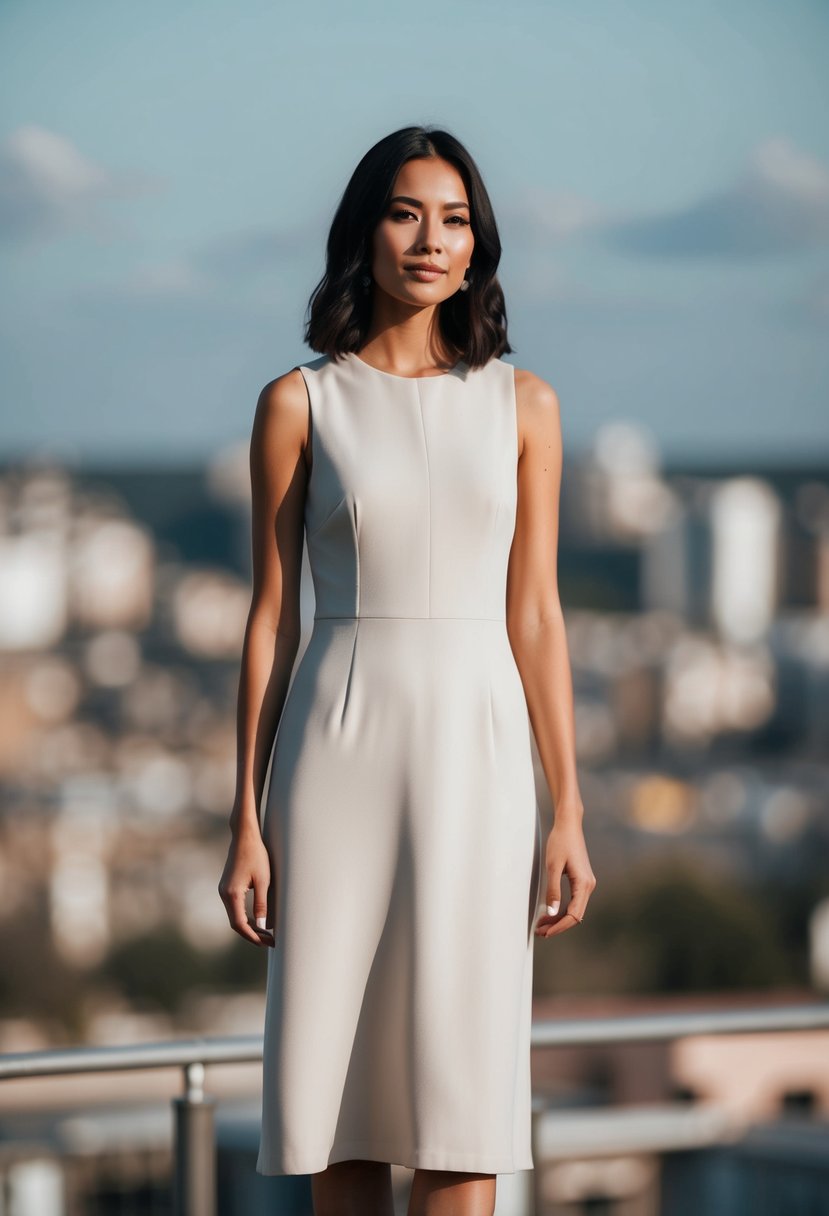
(260, 922)
(553, 907)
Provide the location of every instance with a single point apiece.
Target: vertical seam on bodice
(429, 500)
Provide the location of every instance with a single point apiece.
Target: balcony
(688, 1155)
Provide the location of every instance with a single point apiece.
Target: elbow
(285, 628)
(526, 626)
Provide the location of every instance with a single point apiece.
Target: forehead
(429, 177)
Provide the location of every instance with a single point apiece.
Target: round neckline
(410, 379)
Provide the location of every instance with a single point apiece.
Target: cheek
(459, 242)
(387, 243)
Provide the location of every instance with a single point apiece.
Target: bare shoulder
(284, 398)
(282, 412)
(537, 406)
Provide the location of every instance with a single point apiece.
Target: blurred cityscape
(697, 609)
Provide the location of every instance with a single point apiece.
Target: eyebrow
(404, 198)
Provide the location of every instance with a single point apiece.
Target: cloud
(48, 188)
(226, 270)
(533, 225)
(778, 205)
(551, 214)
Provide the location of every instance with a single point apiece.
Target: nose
(428, 242)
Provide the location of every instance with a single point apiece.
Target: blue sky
(659, 171)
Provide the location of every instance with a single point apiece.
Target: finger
(545, 921)
(260, 903)
(580, 892)
(263, 930)
(265, 936)
(238, 916)
(581, 889)
(545, 918)
(568, 920)
(553, 896)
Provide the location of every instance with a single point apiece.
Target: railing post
(535, 1190)
(194, 1175)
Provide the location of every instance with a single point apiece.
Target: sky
(659, 173)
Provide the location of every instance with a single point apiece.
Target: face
(427, 220)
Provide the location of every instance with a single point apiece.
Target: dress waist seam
(357, 616)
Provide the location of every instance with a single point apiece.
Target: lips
(423, 275)
(427, 266)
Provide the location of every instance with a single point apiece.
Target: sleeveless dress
(401, 817)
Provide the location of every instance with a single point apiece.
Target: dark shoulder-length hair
(472, 323)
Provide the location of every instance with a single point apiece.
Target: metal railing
(194, 1149)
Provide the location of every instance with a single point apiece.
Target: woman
(398, 867)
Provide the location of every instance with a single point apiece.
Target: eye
(401, 213)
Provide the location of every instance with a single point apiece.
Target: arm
(278, 485)
(535, 624)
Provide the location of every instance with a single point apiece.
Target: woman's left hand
(566, 853)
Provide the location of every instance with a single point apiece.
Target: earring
(464, 285)
(366, 282)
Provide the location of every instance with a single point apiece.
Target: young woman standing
(399, 864)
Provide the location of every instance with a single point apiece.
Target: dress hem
(370, 1150)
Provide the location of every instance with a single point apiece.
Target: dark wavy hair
(472, 323)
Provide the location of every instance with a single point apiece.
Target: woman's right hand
(248, 866)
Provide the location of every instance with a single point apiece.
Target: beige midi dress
(401, 816)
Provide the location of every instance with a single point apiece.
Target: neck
(406, 339)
